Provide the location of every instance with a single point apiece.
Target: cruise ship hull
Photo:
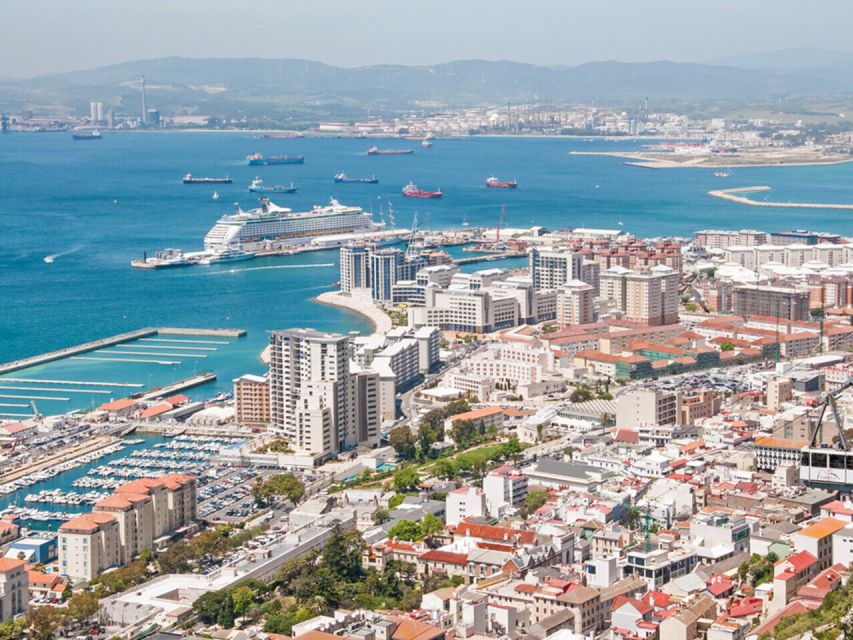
(272, 225)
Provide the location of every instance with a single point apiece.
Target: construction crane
(36, 414)
(500, 223)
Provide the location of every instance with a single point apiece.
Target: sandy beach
(379, 319)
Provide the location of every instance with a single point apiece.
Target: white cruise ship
(270, 222)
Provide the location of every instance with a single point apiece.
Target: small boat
(376, 151)
(493, 183)
(412, 190)
(86, 135)
(426, 144)
(722, 174)
(216, 195)
(188, 179)
(258, 160)
(257, 186)
(227, 255)
(49, 259)
(342, 177)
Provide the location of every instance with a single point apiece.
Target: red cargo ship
(411, 190)
(493, 183)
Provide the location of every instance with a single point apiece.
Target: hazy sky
(43, 36)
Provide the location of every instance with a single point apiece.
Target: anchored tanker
(270, 222)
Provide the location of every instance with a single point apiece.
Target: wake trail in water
(282, 266)
(67, 252)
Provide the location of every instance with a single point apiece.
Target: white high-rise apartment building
(574, 303)
(316, 402)
(311, 397)
(553, 268)
(648, 298)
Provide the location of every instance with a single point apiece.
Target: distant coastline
(649, 161)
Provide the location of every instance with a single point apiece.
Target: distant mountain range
(301, 90)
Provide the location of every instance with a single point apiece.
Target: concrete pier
(176, 387)
(732, 196)
(80, 382)
(59, 354)
(222, 333)
(95, 345)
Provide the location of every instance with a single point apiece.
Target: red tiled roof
(641, 607)
(118, 405)
(10, 564)
(800, 561)
(489, 532)
(746, 607)
(447, 557)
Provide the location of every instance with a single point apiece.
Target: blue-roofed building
(34, 550)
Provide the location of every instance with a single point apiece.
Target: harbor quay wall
(28, 468)
(219, 333)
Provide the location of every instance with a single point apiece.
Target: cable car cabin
(827, 468)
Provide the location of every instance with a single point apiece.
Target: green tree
(82, 606)
(430, 431)
(534, 500)
(444, 468)
(405, 530)
(580, 394)
(406, 478)
(283, 623)
(464, 433)
(216, 607)
(13, 629)
(281, 484)
(431, 525)
(381, 516)
(176, 559)
(320, 590)
(291, 570)
(44, 622)
(511, 450)
(243, 598)
(342, 553)
(403, 441)
(727, 345)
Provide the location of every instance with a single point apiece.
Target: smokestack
(144, 109)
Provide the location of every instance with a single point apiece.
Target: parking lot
(228, 498)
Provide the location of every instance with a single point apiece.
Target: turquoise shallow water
(96, 206)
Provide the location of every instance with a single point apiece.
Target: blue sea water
(97, 205)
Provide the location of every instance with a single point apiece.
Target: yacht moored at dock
(227, 255)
